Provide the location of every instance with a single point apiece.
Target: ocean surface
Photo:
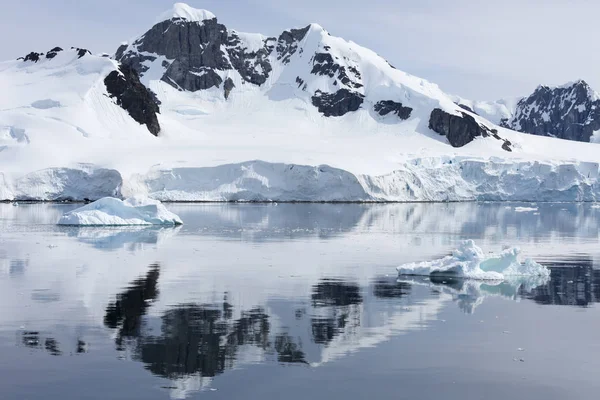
(297, 301)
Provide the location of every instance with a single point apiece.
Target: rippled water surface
(297, 301)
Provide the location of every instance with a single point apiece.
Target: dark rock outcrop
(569, 112)
(81, 52)
(181, 76)
(197, 52)
(52, 53)
(33, 56)
(337, 104)
(324, 64)
(385, 107)
(228, 87)
(461, 129)
(287, 44)
(253, 66)
(467, 108)
(124, 85)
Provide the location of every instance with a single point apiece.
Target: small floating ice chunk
(110, 211)
(525, 209)
(469, 261)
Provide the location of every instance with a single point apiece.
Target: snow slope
(63, 137)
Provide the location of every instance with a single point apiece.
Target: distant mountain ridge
(571, 112)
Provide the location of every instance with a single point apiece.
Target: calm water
(297, 301)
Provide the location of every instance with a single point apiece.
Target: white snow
(110, 211)
(184, 11)
(45, 104)
(62, 137)
(469, 261)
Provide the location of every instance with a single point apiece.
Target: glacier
(434, 179)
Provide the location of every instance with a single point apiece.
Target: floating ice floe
(525, 209)
(469, 261)
(110, 211)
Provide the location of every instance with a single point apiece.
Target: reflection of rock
(576, 285)
(336, 306)
(383, 288)
(288, 351)
(125, 314)
(36, 340)
(336, 293)
(191, 343)
(195, 339)
(51, 346)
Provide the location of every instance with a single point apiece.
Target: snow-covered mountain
(570, 111)
(323, 119)
(191, 51)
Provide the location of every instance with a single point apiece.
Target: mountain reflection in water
(204, 340)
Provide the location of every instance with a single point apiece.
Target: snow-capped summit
(185, 12)
(570, 111)
(329, 75)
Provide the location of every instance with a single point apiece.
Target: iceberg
(469, 261)
(110, 211)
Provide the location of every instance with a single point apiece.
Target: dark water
(295, 302)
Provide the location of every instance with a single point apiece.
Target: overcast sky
(485, 49)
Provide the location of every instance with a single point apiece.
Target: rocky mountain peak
(192, 51)
(570, 111)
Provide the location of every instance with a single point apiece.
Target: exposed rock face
(228, 87)
(253, 66)
(52, 53)
(570, 112)
(33, 56)
(385, 107)
(81, 52)
(467, 108)
(337, 104)
(287, 44)
(124, 85)
(323, 64)
(461, 129)
(197, 54)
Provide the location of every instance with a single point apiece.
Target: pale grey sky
(477, 49)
